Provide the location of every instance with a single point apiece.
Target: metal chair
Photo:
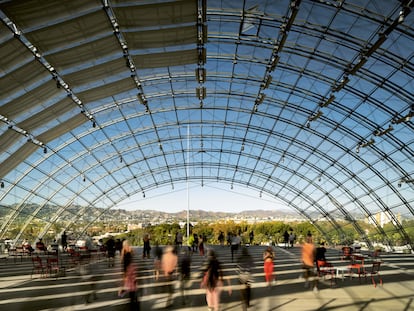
(358, 265)
(325, 268)
(52, 266)
(38, 266)
(375, 268)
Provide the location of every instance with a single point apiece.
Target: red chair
(52, 266)
(357, 265)
(74, 257)
(38, 266)
(376, 265)
(325, 268)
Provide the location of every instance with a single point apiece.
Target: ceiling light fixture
(405, 181)
(267, 82)
(273, 63)
(315, 116)
(341, 84)
(405, 118)
(328, 101)
(200, 75)
(383, 132)
(201, 93)
(365, 144)
(260, 99)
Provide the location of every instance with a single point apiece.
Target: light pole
(188, 187)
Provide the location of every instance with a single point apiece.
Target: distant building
(131, 227)
(382, 218)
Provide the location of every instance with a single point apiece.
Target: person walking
(286, 239)
(235, 243)
(268, 265)
(245, 265)
(221, 238)
(201, 245)
(292, 238)
(110, 251)
(251, 237)
(129, 286)
(64, 241)
(157, 260)
(179, 239)
(308, 260)
(89, 278)
(185, 273)
(195, 243)
(126, 256)
(169, 264)
(190, 242)
(147, 246)
(213, 281)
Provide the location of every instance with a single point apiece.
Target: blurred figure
(320, 252)
(88, 275)
(157, 260)
(229, 237)
(88, 243)
(40, 246)
(125, 252)
(308, 259)
(221, 238)
(27, 246)
(213, 281)
(179, 239)
(195, 243)
(130, 281)
(126, 257)
(251, 237)
(190, 242)
(268, 265)
(169, 264)
(147, 246)
(118, 246)
(53, 247)
(201, 245)
(110, 251)
(64, 240)
(286, 239)
(185, 272)
(235, 243)
(245, 264)
(292, 238)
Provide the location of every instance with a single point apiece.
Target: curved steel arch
(320, 173)
(258, 129)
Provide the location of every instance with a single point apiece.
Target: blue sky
(216, 197)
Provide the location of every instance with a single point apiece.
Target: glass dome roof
(309, 102)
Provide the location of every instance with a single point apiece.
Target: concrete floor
(18, 291)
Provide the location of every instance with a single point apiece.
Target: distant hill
(209, 215)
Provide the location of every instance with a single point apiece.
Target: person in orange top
(268, 265)
(308, 259)
(169, 263)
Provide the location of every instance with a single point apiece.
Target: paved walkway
(19, 292)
